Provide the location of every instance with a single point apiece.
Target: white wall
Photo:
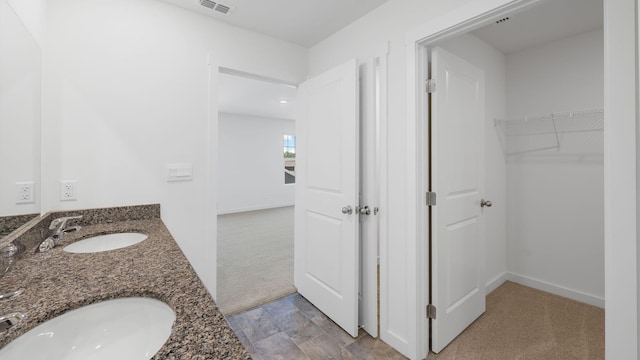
(251, 163)
(126, 91)
(19, 111)
(493, 63)
(555, 217)
(32, 14)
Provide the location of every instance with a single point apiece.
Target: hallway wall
(251, 163)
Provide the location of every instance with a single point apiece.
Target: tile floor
(292, 328)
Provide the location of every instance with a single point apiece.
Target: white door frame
(467, 18)
(215, 68)
(621, 157)
(211, 195)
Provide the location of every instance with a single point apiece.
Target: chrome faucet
(10, 319)
(57, 229)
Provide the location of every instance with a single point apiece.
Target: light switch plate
(179, 172)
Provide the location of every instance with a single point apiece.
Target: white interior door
(326, 224)
(457, 177)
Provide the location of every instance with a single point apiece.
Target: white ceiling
(552, 20)
(243, 95)
(301, 22)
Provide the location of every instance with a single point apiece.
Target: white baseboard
(495, 282)
(253, 208)
(556, 289)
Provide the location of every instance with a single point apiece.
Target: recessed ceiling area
(549, 21)
(247, 96)
(301, 22)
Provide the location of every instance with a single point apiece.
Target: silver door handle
(486, 203)
(347, 210)
(363, 210)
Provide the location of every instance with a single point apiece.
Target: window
(289, 152)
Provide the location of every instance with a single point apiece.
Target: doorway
(369, 118)
(256, 190)
(544, 145)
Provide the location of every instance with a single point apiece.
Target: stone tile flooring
(292, 328)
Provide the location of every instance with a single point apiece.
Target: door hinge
(431, 311)
(431, 86)
(431, 198)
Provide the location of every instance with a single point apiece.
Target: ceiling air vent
(216, 6)
(223, 8)
(502, 20)
(208, 3)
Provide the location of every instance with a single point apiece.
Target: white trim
(211, 193)
(421, 62)
(495, 282)
(413, 286)
(369, 239)
(556, 289)
(620, 162)
(254, 208)
(248, 75)
(385, 333)
(469, 17)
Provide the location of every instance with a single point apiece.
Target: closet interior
(544, 74)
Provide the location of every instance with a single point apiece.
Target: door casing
(370, 303)
(468, 18)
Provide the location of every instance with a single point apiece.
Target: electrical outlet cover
(25, 192)
(68, 190)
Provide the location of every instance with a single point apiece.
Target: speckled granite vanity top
(56, 281)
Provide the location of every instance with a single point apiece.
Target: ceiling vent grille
(502, 20)
(223, 9)
(216, 6)
(208, 4)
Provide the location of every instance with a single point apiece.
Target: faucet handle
(48, 244)
(61, 222)
(9, 249)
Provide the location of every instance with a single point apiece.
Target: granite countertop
(56, 281)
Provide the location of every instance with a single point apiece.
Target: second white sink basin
(105, 243)
(123, 329)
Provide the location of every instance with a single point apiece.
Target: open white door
(326, 222)
(457, 177)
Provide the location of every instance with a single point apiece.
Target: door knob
(347, 210)
(486, 203)
(363, 210)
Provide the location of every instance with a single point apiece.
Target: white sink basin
(123, 329)
(105, 243)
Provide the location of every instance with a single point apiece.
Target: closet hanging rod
(553, 116)
(557, 132)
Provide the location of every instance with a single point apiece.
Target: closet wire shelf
(544, 132)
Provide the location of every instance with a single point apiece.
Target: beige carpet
(255, 258)
(526, 324)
